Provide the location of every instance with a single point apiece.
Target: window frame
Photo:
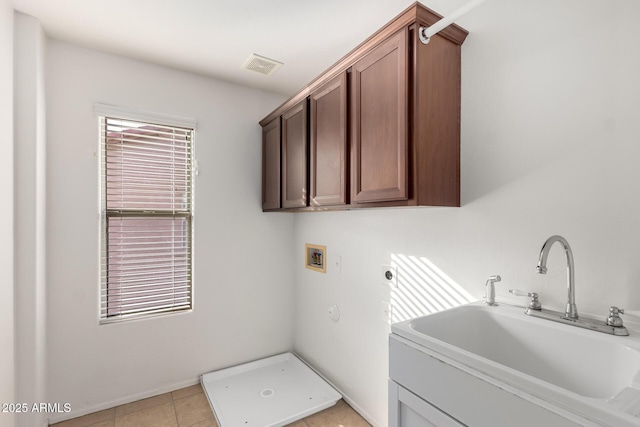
(104, 112)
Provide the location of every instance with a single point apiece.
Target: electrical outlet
(337, 263)
(385, 312)
(389, 275)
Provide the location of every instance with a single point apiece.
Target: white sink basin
(590, 364)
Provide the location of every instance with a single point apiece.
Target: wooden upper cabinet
(294, 156)
(328, 143)
(271, 165)
(379, 136)
(384, 125)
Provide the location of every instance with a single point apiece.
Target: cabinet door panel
(328, 145)
(379, 123)
(408, 410)
(415, 412)
(271, 165)
(294, 157)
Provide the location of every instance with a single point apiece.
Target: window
(146, 226)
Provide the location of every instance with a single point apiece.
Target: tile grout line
(175, 413)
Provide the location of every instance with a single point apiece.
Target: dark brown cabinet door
(294, 157)
(328, 144)
(271, 165)
(379, 104)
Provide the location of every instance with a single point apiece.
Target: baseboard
(122, 401)
(356, 407)
(345, 396)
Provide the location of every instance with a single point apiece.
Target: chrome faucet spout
(613, 324)
(571, 311)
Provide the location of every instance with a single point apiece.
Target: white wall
(549, 146)
(243, 282)
(7, 337)
(30, 216)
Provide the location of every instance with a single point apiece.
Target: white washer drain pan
(269, 392)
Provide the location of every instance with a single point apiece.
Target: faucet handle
(615, 310)
(534, 304)
(614, 316)
(519, 293)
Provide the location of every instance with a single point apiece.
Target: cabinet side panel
(271, 165)
(437, 122)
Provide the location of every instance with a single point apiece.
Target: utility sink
(588, 364)
(532, 352)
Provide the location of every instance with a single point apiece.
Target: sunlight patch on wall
(423, 289)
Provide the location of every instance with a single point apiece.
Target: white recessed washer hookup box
(270, 392)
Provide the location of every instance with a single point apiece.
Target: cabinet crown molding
(416, 13)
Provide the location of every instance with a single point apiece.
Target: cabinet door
(379, 100)
(294, 157)
(271, 165)
(328, 144)
(408, 410)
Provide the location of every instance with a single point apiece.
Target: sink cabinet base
(430, 387)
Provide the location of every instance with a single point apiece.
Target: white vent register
(262, 65)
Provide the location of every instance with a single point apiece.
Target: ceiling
(216, 37)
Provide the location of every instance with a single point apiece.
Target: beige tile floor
(188, 407)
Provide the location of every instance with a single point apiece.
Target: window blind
(146, 244)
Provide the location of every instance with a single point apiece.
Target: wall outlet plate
(385, 312)
(336, 263)
(389, 275)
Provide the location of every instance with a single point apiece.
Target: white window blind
(146, 244)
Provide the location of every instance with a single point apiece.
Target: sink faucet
(613, 324)
(571, 311)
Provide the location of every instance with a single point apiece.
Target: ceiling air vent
(262, 65)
